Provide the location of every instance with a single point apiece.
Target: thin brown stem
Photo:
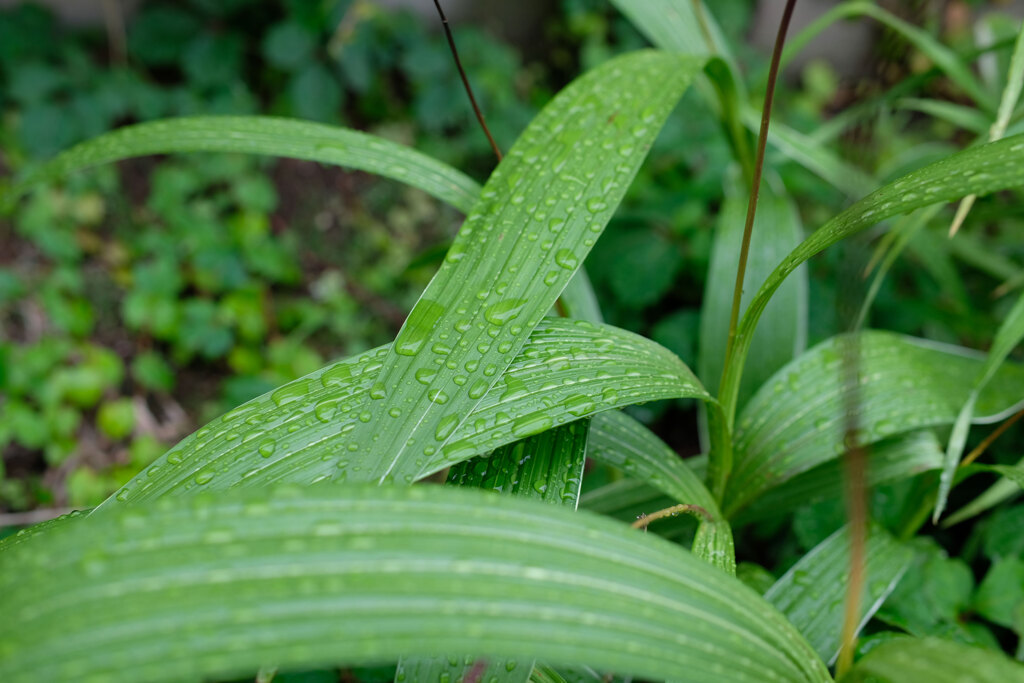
(856, 502)
(755, 186)
(465, 80)
(996, 433)
(644, 520)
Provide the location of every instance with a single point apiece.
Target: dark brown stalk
(465, 81)
(755, 186)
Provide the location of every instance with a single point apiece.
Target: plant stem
(996, 433)
(644, 520)
(755, 186)
(465, 80)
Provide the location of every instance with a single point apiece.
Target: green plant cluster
(176, 282)
(576, 323)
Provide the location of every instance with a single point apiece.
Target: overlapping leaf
(539, 214)
(796, 421)
(618, 440)
(216, 585)
(268, 136)
(979, 170)
(568, 370)
(811, 593)
(1009, 335)
(888, 461)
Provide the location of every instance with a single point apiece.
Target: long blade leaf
(217, 585)
(796, 421)
(811, 593)
(979, 170)
(1009, 335)
(539, 214)
(567, 371)
(261, 135)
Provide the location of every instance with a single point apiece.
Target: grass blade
(776, 232)
(932, 660)
(811, 593)
(978, 170)
(618, 440)
(796, 421)
(285, 435)
(1008, 102)
(217, 585)
(539, 214)
(261, 135)
(1009, 335)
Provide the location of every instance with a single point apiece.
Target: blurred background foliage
(140, 300)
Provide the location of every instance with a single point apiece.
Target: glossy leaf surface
(796, 421)
(268, 136)
(220, 584)
(297, 433)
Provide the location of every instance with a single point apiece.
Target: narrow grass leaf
(933, 660)
(1008, 102)
(618, 440)
(811, 593)
(568, 370)
(978, 170)
(783, 335)
(1002, 490)
(1009, 335)
(215, 586)
(264, 135)
(796, 421)
(539, 214)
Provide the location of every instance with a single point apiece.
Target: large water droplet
(417, 327)
(446, 426)
(291, 392)
(566, 259)
(267, 448)
(503, 311)
(378, 391)
(204, 477)
(531, 424)
(425, 375)
(478, 389)
(339, 374)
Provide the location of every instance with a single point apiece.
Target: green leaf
(1003, 489)
(547, 466)
(979, 170)
(618, 440)
(932, 660)
(668, 24)
(1009, 335)
(889, 460)
(221, 584)
(261, 135)
(783, 335)
(567, 371)
(797, 420)
(539, 214)
(1001, 594)
(811, 594)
